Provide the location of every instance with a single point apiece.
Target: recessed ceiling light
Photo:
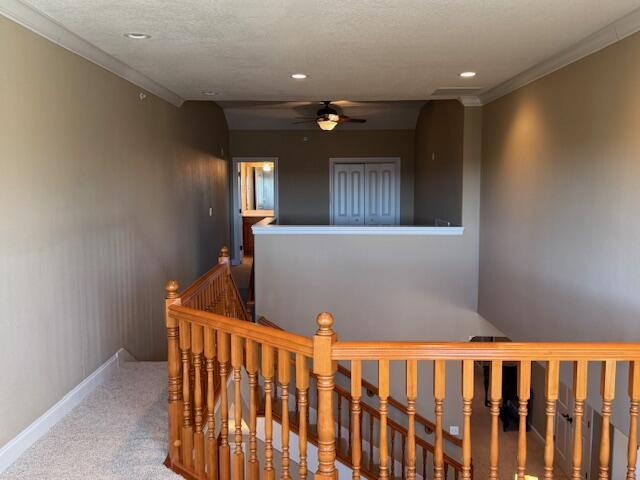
(468, 74)
(210, 93)
(298, 76)
(137, 36)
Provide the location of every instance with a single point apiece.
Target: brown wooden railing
(397, 451)
(208, 320)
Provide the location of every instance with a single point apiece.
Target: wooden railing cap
(325, 324)
(172, 289)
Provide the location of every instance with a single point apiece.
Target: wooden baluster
(580, 394)
(552, 378)
(197, 348)
(403, 457)
(607, 389)
(371, 462)
(495, 395)
(236, 363)
(174, 386)
(391, 451)
(251, 365)
(524, 393)
(325, 369)
(383, 393)
(467, 398)
(412, 393)
(634, 400)
(223, 367)
(302, 386)
(212, 442)
(187, 428)
(439, 383)
(284, 377)
(356, 440)
(267, 373)
(339, 429)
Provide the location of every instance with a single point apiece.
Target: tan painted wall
(560, 198)
(103, 198)
(383, 287)
(439, 156)
(303, 166)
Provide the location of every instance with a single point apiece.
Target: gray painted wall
(303, 165)
(560, 195)
(104, 197)
(439, 157)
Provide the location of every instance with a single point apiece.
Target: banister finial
(325, 324)
(224, 251)
(172, 289)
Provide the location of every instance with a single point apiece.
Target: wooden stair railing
(369, 468)
(203, 334)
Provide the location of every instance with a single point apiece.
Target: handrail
(425, 422)
(560, 351)
(278, 339)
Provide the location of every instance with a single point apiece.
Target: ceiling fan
(327, 118)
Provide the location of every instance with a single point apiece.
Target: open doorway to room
(255, 197)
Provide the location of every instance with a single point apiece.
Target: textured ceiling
(360, 50)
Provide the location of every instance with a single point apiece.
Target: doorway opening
(255, 197)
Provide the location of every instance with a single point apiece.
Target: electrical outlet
(454, 430)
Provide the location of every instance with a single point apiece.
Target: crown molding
(48, 28)
(470, 101)
(614, 32)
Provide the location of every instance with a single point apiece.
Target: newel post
(174, 387)
(223, 256)
(325, 369)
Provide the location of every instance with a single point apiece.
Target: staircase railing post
(223, 256)
(325, 369)
(174, 386)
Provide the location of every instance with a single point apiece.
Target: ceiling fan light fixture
(327, 124)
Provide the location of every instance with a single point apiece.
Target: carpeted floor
(117, 432)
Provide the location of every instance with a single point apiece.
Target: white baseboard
(21, 442)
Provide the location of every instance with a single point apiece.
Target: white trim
(470, 101)
(48, 28)
(353, 230)
(614, 32)
(397, 161)
(236, 255)
(21, 442)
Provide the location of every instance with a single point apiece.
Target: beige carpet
(117, 432)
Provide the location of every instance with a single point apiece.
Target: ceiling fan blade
(304, 121)
(345, 119)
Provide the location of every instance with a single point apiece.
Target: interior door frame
(397, 161)
(236, 251)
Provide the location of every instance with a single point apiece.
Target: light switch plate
(454, 430)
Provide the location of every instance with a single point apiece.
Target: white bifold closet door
(364, 194)
(380, 195)
(348, 194)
